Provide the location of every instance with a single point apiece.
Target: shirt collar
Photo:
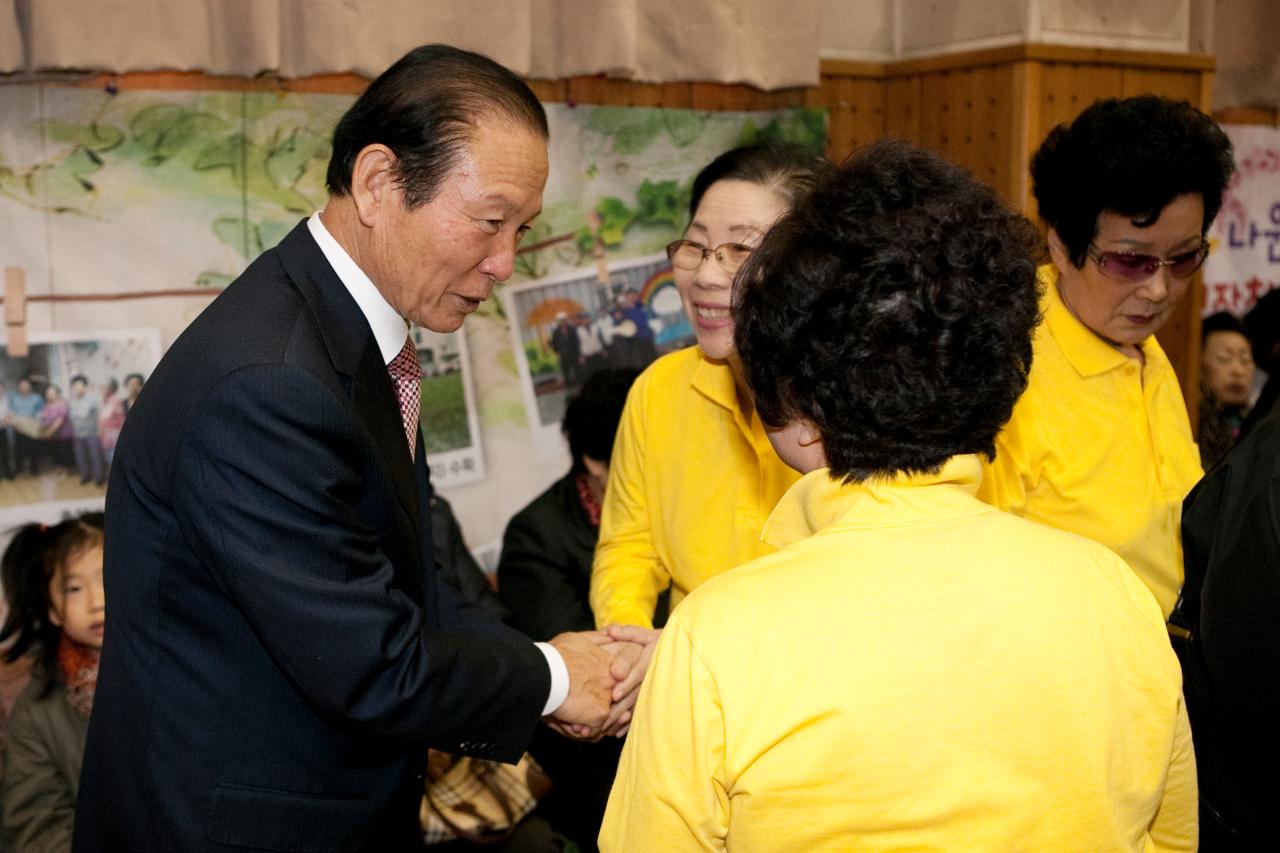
(714, 380)
(1089, 354)
(389, 329)
(816, 502)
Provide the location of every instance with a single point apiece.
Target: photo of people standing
(62, 406)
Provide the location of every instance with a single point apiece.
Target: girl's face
(77, 602)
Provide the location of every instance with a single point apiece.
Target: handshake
(605, 671)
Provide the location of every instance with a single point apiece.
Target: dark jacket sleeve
(271, 501)
(541, 576)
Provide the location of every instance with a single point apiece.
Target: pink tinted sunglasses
(1132, 267)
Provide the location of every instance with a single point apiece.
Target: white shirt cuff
(559, 678)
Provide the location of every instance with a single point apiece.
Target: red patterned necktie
(406, 376)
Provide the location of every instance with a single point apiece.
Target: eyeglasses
(1132, 267)
(688, 255)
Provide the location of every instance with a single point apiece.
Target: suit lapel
(354, 353)
(375, 400)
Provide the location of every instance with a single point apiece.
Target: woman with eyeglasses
(693, 476)
(1100, 444)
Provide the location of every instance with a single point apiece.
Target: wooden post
(15, 310)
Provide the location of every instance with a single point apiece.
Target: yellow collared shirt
(913, 670)
(691, 483)
(1100, 445)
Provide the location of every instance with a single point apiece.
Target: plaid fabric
(406, 376)
(482, 798)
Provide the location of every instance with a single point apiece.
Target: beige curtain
(10, 39)
(767, 43)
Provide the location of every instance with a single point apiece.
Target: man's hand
(590, 683)
(629, 667)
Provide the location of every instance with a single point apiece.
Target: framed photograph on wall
(62, 406)
(566, 327)
(449, 420)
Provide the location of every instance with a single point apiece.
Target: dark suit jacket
(1231, 603)
(544, 573)
(277, 658)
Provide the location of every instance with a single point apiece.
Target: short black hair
(79, 377)
(1132, 156)
(1263, 326)
(137, 376)
(592, 416)
(788, 170)
(424, 108)
(893, 307)
(1223, 321)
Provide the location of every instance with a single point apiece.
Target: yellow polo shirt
(691, 482)
(1100, 445)
(913, 670)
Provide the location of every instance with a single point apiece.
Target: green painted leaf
(93, 136)
(165, 130)
(225, 153)
(211, 279)
(231, 230)
(683, 126)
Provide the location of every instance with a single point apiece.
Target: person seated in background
(544, 575)
(912, 669)
(1100, 444)
(1226, 381)
(56, 609)
(454, 780)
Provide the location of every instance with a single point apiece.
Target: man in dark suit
(280, 653)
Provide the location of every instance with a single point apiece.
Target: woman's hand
(629, 667)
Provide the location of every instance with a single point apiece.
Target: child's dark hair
(34, 555)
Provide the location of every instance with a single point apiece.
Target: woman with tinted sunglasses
(1100, 444)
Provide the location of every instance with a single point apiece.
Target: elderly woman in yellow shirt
(1101, 444)
(913, 669)
(692, 477)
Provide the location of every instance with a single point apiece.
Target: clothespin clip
(15, 310)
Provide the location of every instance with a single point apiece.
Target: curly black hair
(591, 418)
(1223, 321)
(894, 308)
(1132, 156)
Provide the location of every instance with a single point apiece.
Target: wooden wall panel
(902, 107)
(855, 113)
(1067, 88)
(1182, 85)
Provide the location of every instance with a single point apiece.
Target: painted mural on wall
(1245, 260)
(175, 192)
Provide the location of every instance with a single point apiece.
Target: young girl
(53, 585)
